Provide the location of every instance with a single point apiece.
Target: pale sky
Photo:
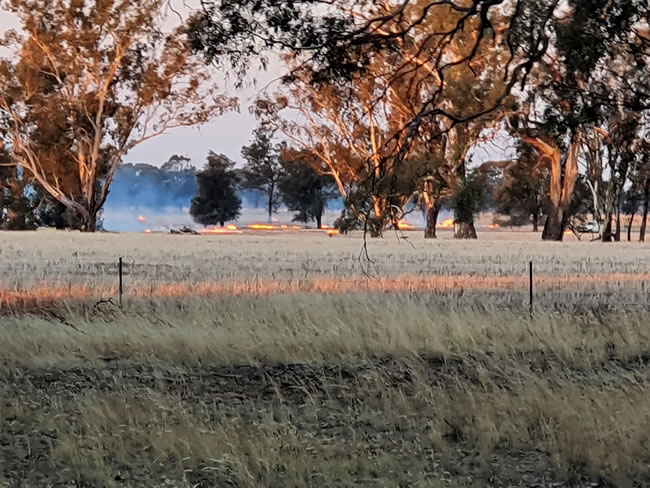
(226, 135)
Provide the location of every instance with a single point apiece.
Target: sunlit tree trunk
(562, 185)
(431, 204)
(377, 221)
(629, 227)
(432, 212)
(617, 235)
(465, 230)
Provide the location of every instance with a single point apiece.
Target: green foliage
(469, 198)
(24, 205)
(359, 202)
(230, 30)
(414, 169)
(594, 28)
(216, 201)
(601, 64)
(348, 221)
(580, 205)
(48, 212)
(631, 201)
(306, 192)
(15, 207)
(178, 164)
(523, 190)
(263, 169)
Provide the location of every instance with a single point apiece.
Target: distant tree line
(281, 177)
(174, 184)
(144, 185)
(516, 191)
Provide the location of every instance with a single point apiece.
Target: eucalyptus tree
(85, 82)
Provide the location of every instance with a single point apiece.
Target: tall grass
(255, 362)
(321, 328)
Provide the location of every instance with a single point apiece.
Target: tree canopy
(216, 200)
(559, 69)
(262, 169)
(305, 191)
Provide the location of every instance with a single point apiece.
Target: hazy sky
(226, 135)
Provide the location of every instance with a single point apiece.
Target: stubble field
(295, 359)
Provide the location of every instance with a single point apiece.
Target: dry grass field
(285, 360)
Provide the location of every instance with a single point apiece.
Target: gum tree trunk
(629, 227)
(644, 215)
(432, 212)
(89, 220)
(608, 234)
(376, 227)
(431, 201)
(562, 185)
(465, 230)
(377, 221)
(269, 205)
(617, 235)
(555, 225)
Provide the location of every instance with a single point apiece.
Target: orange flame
(142, 219)
(263, 227)
(229, 230)
(333, 232)
(148, 231)
(446, 224)
(404, 225)
(494, 226)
